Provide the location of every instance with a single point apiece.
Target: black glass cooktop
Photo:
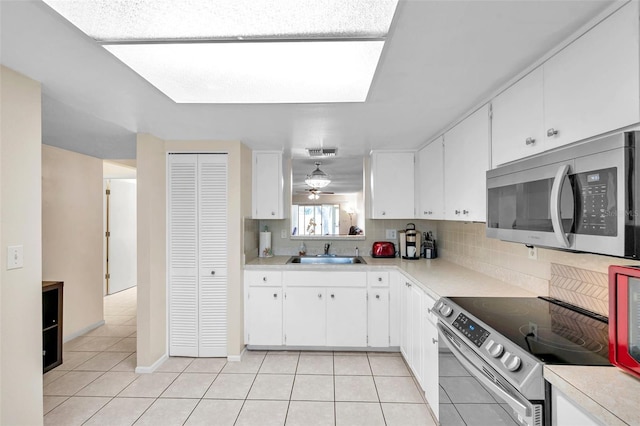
(553, 333)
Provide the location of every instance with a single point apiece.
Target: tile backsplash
(581, 287)
(374, 231)
(577, 278)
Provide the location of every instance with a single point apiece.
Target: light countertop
(607, 393)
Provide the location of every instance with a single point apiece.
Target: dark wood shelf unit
(51, 324)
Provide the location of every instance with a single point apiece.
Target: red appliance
(624, 318)
(383, 249)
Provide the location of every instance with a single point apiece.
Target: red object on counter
(383, 249)
(624, 318)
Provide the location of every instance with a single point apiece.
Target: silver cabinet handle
(379, 279)
(425, 212)
(429, 310)
(213, 272)
(430, 212)
(457, 211)
(264, 279)
(275, 295)
(434, 341)
(465, 211)
(384, 213)
(551, 132)
(273, 213)
(333, 296)
(530, 141)
(377, 296)
(319, 295)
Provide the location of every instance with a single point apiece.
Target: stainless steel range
(504, 343)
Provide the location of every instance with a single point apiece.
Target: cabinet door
(466, 160)
(430, 182)
(265, 316)
(417, 331)
(378, 318)
(405, 322)
(396, 284)
(347, 317)
(305, 316)
(517, 125)
(267, 185)
(212, 255)
(592, 86)
(430, 364)
(565, 412)
(392, 185)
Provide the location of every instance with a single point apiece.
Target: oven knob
(510, 361)
(446, 310)
(494, 349)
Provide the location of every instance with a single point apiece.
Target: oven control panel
(470, 329)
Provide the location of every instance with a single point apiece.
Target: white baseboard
(150, 369)
(83, 331)
(237, 358)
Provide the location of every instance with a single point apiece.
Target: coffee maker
(410, 242)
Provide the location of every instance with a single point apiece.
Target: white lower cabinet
(305, 316)
(565, 412)
(411, 327)
(347, 317)
(378, 318)
(265, 316)
(430, 365)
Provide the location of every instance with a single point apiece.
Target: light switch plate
(15, 258)
(390, 234)
(283, 233)
(533, 253)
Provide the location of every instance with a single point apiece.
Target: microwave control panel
(597, 208)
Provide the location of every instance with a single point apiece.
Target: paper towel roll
(265, 244)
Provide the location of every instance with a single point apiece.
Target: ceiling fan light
(317, 178)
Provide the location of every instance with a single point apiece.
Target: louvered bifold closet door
(183, 255)
(212, 245)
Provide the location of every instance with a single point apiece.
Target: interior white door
(122, 253)
(212, 254)
(183, 255)
(198, 255)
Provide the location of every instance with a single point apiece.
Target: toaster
(383, 249)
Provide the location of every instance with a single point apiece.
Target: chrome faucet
(326, 248)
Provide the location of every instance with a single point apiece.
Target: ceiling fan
(314, 193)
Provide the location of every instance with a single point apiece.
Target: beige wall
(72, 235)
(466, 244)
(20, 289)
(152, 284)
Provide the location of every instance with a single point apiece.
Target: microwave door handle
(556, 194)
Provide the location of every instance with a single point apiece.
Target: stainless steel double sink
(323, 259)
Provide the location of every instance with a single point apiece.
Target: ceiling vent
(322, 152)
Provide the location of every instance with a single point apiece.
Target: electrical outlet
(533, 253)
(14, 257)
(283, 233)
(391, 234)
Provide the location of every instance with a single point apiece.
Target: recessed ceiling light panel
(126, 20)
(263, 72)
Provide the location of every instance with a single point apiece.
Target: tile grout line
(375, 385)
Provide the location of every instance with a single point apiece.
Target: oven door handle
(523, 408)
(556, 215)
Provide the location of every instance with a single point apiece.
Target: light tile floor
(97, 385)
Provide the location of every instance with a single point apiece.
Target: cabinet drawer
(325, 278)
(378, 279)
(257, 278)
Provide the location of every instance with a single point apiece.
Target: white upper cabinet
(592, 86)
(268, 185)
(589, 88)
(430, 181)
(466, 161)
(392, 185)
(518, 120)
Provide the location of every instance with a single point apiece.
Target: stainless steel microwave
(582, 198)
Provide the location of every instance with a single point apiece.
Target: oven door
(527, 412)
